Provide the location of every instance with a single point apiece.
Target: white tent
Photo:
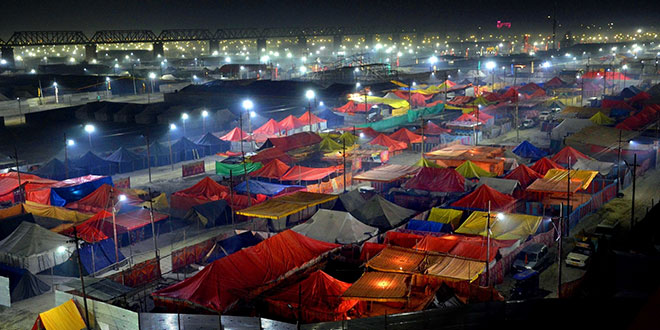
(335, 227)
(391, 96)
(569, 126)
(34, 248)
(604, 168)
(504, 186)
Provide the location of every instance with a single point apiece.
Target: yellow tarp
(11, 211)
(63, 317)
(601, 119)
(583, 175)
(380, 100)
(160, 203)
(449, 216)
(55, 212)
(281, 207)
(469, 170)
(503, 226)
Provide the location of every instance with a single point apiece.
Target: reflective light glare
(247, 104)
(61, 249)
(205, 113)
(500, 216)
(310, 94)
(184, 116)
(152, 75)
(89, 128)
(122, 198)
(70, 142)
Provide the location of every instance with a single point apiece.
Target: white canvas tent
(504, 186)
(604, 168)
(335, 227)
(34, 248)
(569, 126)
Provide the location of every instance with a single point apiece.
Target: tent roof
(423, 162)
(329, 145)
(448, 216)
(270, 128)
(432, 129)
(349, 201)
(383, 214)
(184, 144)
(55, 168)
(272, 154)
(290, 123)
(90, 230)
(65, 316)
(469, 170)
(601, 119)
(404, 135)
(388, 142)
(524, 175)
(22, 283)
(387, 173)
(504, 186)
(585, 176)
(264, 188)
(554, 82)
(206, 188)
(303, 173)
(503, 226)
(379, 286)
(294, 141)
(274, 169)
(31, 246)
(604, 168)
(90, 159)
(562, 156)
(102, 198)
(225, 281)
(527, 150)
(216, 213)
(335, 227)
(283, 206)
(437, 180)
(479, 198)
(543, 165)
(235, 135)
(232, 245)
(315, 119)
(209, 139)
(349, 138)
(123, 155)
(473, 247)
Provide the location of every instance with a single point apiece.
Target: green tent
(329, 145)
(236, 169)
(423, 162)
(470, 170)
(348, 138)
(601, 119)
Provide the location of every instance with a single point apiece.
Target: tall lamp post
(152, 77)
(57, 93)
(120, 199)
(490, 65)
(89, 128)
(247, 105)
(184, 117)
(310, 95)
(107, 86)
(67, 143)
(204, 115)
(169, 138)
(625, 70)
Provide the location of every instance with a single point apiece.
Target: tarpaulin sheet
(349, 201)
(543, 165)
(209, 139)
(56, 170)
(479, 198)
(269, 154)
(406, 136)
(562, 175)
(335, 227)
(132, 220)
(269, 129)
(294, 141)
(265, 188)
(274, 169)
(469, 170)
(407, 240)
(473, 247)
(290, 123)
(22, 283)
(205, 189)
(604, 168)
(388, 142)
(423, 162)
(524, 175)
(104, 198)
(126, 160)
(432, 129)
(437, 180)
(235, 169)
(102, 256)
(430, 226)
(568, 152)
(34, 248)
(286, 205)
(527, 150)
(63, 317)
(235, 135)
(351, 107)
(54, 212)
(380, 286)
(317, 298)
(555, 186)
(94, 164)
(307, 116)
(90, 230)
(503, 226)
(504, 186)
(449, 216)
(601, 119)
(303, 173)
(369, 250)
(329, 145)
(232, 244)
(74, 189)
(215, 213)
(11, 211)
(225, 281)
(383, 214)
(442, 244)
(387, 173)
(379, 100)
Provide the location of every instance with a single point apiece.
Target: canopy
(214, 213)
(269, 129)
(543, 165)
(379, 286)
(349, 201)
(604, 168)
(303, 173)
(270, 154)
(206, 189)
(123, 155)
(479, 198)
(74, 189)
(209, 139)
(184, 149)
(232, 244)
(274, 169)
(56, 170)
(34, 248)
(348, 138)
(235, 135)
(225, 169)
(265, 188)
(290, 123)
(430, 226)
(388, 142)
(473, 247)
(88, 230)
(503, 226)
(601, 119)
(351, 107)
(555, 186)
(504, 186)
(283, 206)
(432, 129)
(305, 118)
(103, 198)
(524, 175)
(449, 216)
(469, 170)
(224, 282)
(386, 173)
(63, 317)
(22, 283)
(291, 142)
(584, 176)
(406, 136)
(554, 83)
(383, 214)
(335, 227)
(527, 150)
(94, 164)
(54, 212)
(333, 119)
(317, 298)
(437, 180)
(563, 155)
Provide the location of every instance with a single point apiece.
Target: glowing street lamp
(248, 105)
(107, 86)
(89, 128)
(204, 115)
(490, 65)
(152, 77)
(310, 95)
(184, 117)
(169, 138)
(57, 92)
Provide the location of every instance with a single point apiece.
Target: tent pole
(82, 278)
(231, 196)
(559, 248)
(66, 158)
(568, 194)
(344, 156)
(114, 227)
(488, 247)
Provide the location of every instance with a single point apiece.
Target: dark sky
(451, 15)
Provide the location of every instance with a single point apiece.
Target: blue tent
(528, 150)
(232, 244)
(94, 257)
(159, 154)
(212, 144)
(126, 161)
(55, 170)
(430, 226)
(264, 188)
(185, 149)
(94, 164)
(74, 193)
(334, 120)
(630, 91)
(22, 283)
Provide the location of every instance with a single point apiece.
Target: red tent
(437, 180)
(642, 96)
(537, 93)
(610, 75)
(469, 117)
(274, 169)
(290, 123)
(554, 82)
(205, 190)
(293, 141)
(510, 94)
(100, 199)
(615, 104)
(524, 175)
(433, 129)
(244, 274)
(529, 88)
(479, 198)
(270, 128)
(364, 132)
(303, 173)
(386, 141)
(562, 156)
(404, 135)
(235, 135)
(271, 153)
(315, 119)
(351, 107)
(318, 297)
(90, 230)
(461, 100)
(543, 165)
(491, 97)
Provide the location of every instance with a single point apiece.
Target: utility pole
(561, 220)
(634, 175)
(82, 278)
(343, 154)
(245, 174)
(422, 150)
(618, 165)
(568, 195)
(153, 227)
(18, 175)
(488, 247)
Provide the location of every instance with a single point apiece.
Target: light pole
(247, 105)
(184, 117)
(57, 93)
(625, 70)
(169, 138)
(20, 112)
(107, 86)
(120, 199)
(152, 76)
(490, 65)
(310, 95)
(67, 143)
(76, 241)
(204, 115)
(89, 128)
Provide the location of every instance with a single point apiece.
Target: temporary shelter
(406, 136)
(291, 142)
(543, 165)
(93, 256)
(332, 119)
(504, 186)
(270, 129)
(335, 227)
(289, 209)
(447, 216)
(126, 161)
(274, 169)
(214, 213)
(159, 154)
(524, 175)
(503, 226)
(391, 144)
(63, 317)
(55, 169)
(601, 119)
(235, 135)
(383, 214)
(265, 188)
(291, 123)
(103, 198)
(429, 226)
(203, 191)
(527, 150)
(211, 144)
(329, 145)
(562, 157)
(604, 168)
(184, 149)
(437, 180)
(423, 162)
(316, 122)
(469, 170)
(480, 197)
(22, 283)
(94, 164)
(231, 245)
(569, 126)
(34, 248)
(303, 173)
(380, 287)
(226, 169)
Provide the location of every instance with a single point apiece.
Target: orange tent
(274, 169)
(524, 175)
(235, 135)
(563, 155)
(305, 118)
(543, 165)
(391, 144)
(270, 128)
(404, 135)
(290, 123)
(479, 198)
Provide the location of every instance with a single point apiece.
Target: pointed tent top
(423, 162)
(554, 82)
(601, 119)
(335, 227)
(235, 135)
(209, 139)
(432, 129)
(207, 188)
(184, 144)
(315, 119)
(156, 148)
(562, 156)
(479, 198)
(329, 145)
(381, 213)
(348, 138)
(123, 155)
(274, 169)
(527, 150)
(406, 136)
(388, 142)
(524, 175)
(270, 128)
(543, 165)
(529, 88)
(290, 123)
(469, 170)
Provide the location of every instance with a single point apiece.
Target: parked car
(580, 255)
(545, 115)
(534, 256)
(526, 285)
(555, 110)
(527, 123)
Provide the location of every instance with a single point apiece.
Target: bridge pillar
(158, 49)
(261, 44)
(214, 46)
(369, 39)
(90, 52)
(396, 38)
(8, 55)
(337, 41)
(419, 38)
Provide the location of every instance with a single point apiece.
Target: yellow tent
(449, 216)
(329, 145)
(160, 203)
(503, 226)
(469, 170)
(423, 162)
(62, 317)
(583, 175)
(380, 100)
(601, 119)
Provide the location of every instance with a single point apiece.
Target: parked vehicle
(526, 285)
(527, 123)
(534, 256)
(580, 255)
(545, 115)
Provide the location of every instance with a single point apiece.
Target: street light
(309, 94)
(107, 86)
(169, 137)
(490, 65)
(89, 128)
(120, 199)
(184, 117)
(248, 105)
(152, 77)
(204, 115)
(57, 94)
(625, 69)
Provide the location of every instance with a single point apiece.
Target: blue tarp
(212, 144)
(126, 161)
(159, 154)
(74, 193)
(55, 199)
(333, 120)
(630, 91)
(527, 150)
(94, 164)
(22, 283)
(55, 170)
(430, 226)
(232, 244)
(104, 255)
(185, 149)
(264, 188)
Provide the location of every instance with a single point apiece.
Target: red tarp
(417, 99)
(351, 107)
(473, 247)
(432, 129)
(294, 141)
(469, 117)
(389, 143)
(203, 191)
(529, 88)
(615, 104)
(90, 230)
(99, 200)
(537, 93)
(610, 75)
(318, 297)
(235, 135)
(315, 119)
(406, 136)
(365, 132)
(32, 185)
(369, 250)
(510, 94)
(642, 96)
(290, 123)
(302, 173)
(405, 240)
(479, 198)
(554, 82)
(543, 165)
(270, 154)
(225, 281)
(102, 223)
(461, 100)
(269, 129)
(524, 175)
(491, 97)
(562, 156)
(274, 169)
(437, 180)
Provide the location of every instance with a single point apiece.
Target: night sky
(456, 15)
